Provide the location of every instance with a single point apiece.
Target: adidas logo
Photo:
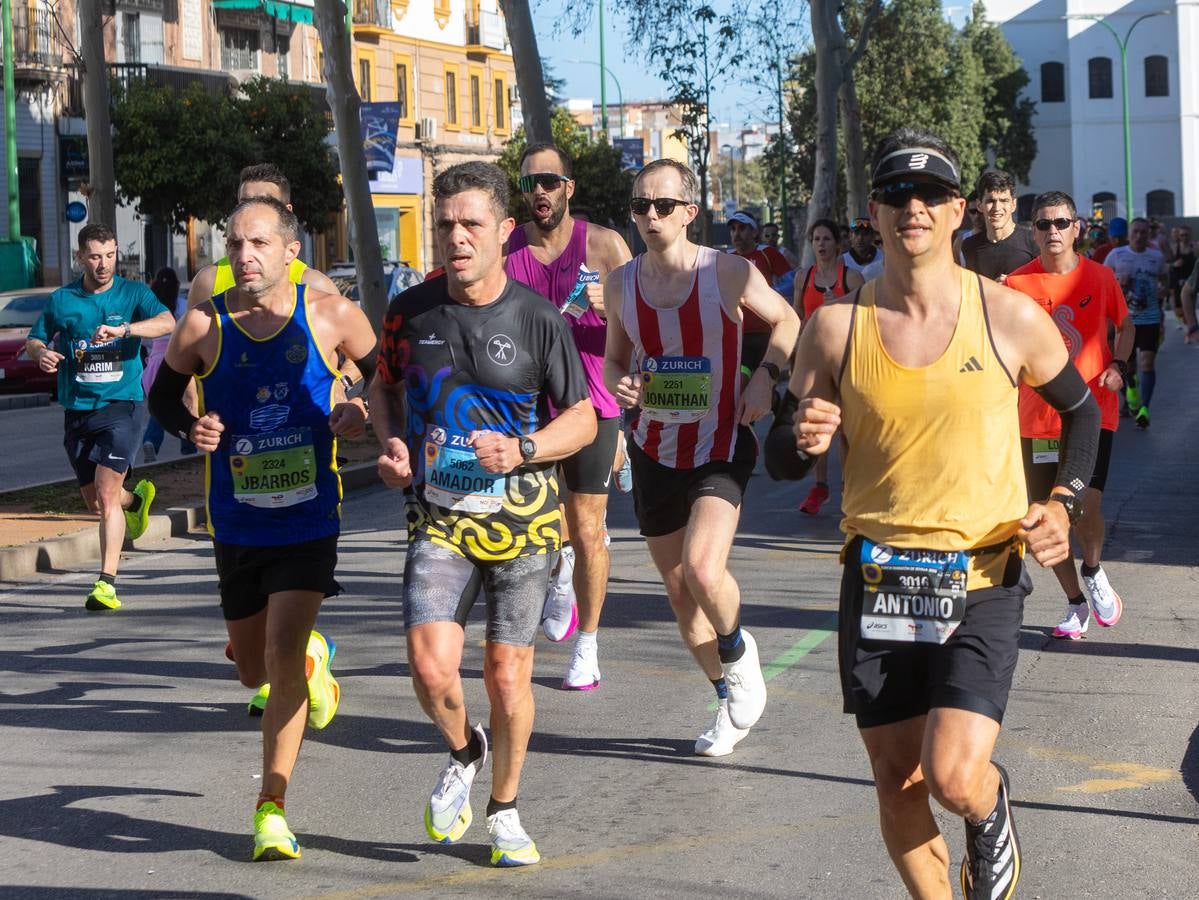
(972, 365)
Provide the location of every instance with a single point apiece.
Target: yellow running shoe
(272, 839)
(136, 522)
(324, 693)
(257, 705)
(510, 843)
(103, 597)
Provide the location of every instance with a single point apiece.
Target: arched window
(1053, 82)
(1099, 77)
(1157, 76)
(1103, 206)
(1159, 203)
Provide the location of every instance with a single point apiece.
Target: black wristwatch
(1121, 366)
(771, 369)
(1071, 504)
(528, 449)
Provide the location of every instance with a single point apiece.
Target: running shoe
(136, 522)
(1104, 600)
(272, 838)
(448, 814)
(149, 454)
(1074, 625)
(991, 866)
(510, 844)
(816, 498)
(1143, 417)
(722, 735)
(257, 705)
(624, 475)
(583, 673)
(324, 693)
(103, 596)
(747, 687)
(560, 616)
(1132, 396)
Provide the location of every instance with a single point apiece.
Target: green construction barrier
(19, 264)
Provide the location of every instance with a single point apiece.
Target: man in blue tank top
(265, 354)
(96, 324)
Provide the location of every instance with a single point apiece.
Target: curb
(24, 401)
(72, 550)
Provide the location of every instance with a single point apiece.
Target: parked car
(21, 309)
(397, 275)
(18, 373)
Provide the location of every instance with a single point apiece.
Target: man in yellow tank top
(920, 368)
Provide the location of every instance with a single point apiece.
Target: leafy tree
(602, 188)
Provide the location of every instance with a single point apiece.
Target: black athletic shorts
(1041, 475)
(663, 497)
(249, 575)
(884, 682)
(1147, 337)
(590, 470)
(107, 437)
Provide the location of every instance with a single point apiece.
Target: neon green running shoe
(272, 839)
(103, 596)
(257, 705)
(1132, 397)
(324, 693)
(510, 843)
(136, 522)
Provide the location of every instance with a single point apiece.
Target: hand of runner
(816, 421)
(395, 468)
(595, 296)
(49, 360)
(1110, 379)
(628, 391)
(348, 420)
(105, 333)
(497, 452)
(1045, 530)
(755, 398)
(206, 432)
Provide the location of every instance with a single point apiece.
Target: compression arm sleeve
(785, 462)
(1069, 395)
(166, 402)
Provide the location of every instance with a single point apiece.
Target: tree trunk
(345, 103)
(534, 105)
(102, 198)
(829, 42)
(856, 187)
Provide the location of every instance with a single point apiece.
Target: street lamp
(603, 104)
(1122, 43)
(733, 167)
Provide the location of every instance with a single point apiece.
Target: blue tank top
(273, 480)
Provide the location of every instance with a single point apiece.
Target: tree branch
(859, 45)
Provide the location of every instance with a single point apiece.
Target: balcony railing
(38, 47)
(376, 13)
(175, 77)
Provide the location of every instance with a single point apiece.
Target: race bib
(273, 470)
(1045, 450)
(911, 596)
(676, 389)
(98, 363)
(454, 479)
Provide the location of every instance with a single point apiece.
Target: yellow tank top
(934, 452)
(224, 275)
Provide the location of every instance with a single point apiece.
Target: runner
(755, 333)
(1189, 289)
(1002, 246)
(1116, 236)
(467, 365)
(1141, 271)
(770, 238)
(565, 260)
(1082, 297)
(677, 311)
(863, 255)
(919, 368)
(1182, 261)
(828, 278)
(264, 353)
(97, 324)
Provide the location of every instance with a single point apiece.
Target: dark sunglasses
(861, 225)
(663, 206)
(900, 193)
(1059, 224)
(547, 180)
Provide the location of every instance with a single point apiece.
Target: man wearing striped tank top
(920, 369)
(677, 311)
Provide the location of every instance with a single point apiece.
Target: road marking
(797, 651)
(1132, 775)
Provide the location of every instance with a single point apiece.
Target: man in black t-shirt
(468, 363)
(1003, 246)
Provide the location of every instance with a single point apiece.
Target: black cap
(915, 162)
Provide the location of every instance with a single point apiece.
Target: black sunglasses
(664, 206)
(861, 225)
(547, 180)
(1059, 224)
(900, 193)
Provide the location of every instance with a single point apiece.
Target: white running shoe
(1105, 602)
(1074, 626)
(747, 687)
(510, 843)
(560, 616)
(722, 735)
(448, 813)
(583, 673)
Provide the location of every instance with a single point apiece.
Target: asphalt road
(130, 769)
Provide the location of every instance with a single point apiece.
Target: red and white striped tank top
(689, 358)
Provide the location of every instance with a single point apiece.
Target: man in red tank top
(677, 310)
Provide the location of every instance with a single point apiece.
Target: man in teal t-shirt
(96, 325)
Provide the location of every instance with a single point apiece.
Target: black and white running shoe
(991, 866)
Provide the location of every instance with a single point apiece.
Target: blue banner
(380, 122)
(632, 153)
